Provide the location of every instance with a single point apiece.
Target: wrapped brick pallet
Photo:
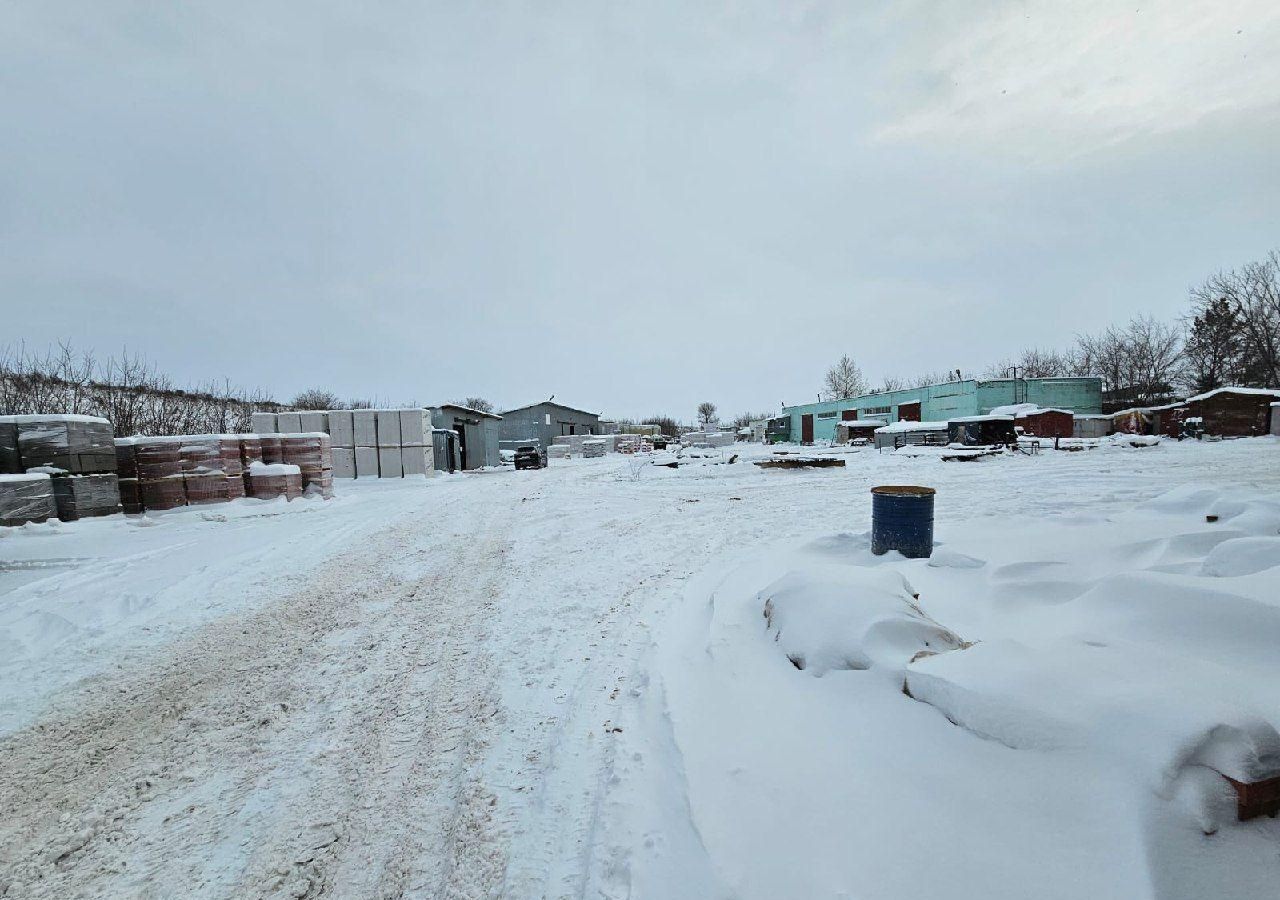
(313, 455)
(26, 498)
(86, 496)
(158, 462)
(9, 460)
(267, 481)
(77, 444)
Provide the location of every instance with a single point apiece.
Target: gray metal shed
(477, 433)
(547, 421)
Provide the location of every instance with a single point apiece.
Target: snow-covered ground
(563, 683)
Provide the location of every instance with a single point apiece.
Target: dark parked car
(530, 456)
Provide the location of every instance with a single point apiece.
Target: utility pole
(1012, 372)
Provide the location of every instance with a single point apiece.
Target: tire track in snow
(180, 777)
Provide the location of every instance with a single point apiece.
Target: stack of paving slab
(558, 451)
(71, 458)
(593, 448)
(627, 443)
(366, 443)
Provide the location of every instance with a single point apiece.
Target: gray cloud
(633, 207)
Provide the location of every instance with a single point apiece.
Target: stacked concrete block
(628, 443)
(264, 423)
(288, 422)
(344, 462)
(365, 425)
(417, 451)
(558, 451)
(593, 449)
(366, 462)
(390, 460)
(26, 498)
(312, 421)
(342, 428)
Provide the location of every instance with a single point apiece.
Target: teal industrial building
(943, 402)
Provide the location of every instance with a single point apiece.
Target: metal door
(806, 428)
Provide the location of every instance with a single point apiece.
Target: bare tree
(477, 403)
(666, 424)
(317, 398)
(893, 383)
(706, 413)
(844, 380)
(1253, 294)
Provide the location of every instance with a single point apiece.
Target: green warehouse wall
(940, 402)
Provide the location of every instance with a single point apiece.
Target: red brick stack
(312, 453)
(267, 481)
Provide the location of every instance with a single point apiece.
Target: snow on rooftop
(896, 427)
(1257, 392)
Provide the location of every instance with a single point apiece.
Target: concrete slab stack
(558, 451)
(289, 422)
(593, 449)
(26, 498)
(417, 451)
(264, 423)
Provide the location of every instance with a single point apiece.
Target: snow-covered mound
(843, 617)
(1153, 712)
(1242, 556)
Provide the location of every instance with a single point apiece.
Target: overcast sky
(634, 206)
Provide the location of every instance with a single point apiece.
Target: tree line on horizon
(1229, 335)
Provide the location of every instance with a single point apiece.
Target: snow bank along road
(521, 684)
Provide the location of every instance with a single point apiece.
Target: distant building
(547, 421)
(943, 402)
(477, 443)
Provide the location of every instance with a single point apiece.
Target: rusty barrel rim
(903, 490)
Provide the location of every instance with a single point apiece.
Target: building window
(825, 415)
(874, 410)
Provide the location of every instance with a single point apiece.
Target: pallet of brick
(270, 444)
(264, 423)
(628, 443)
(342, 429)
(159, 467)
(204, 487)
(126, 458)
(26, 498)
(9, 460)
(558, 451)
(199, 453)
(366, 462)
(364, 422)
(593, 449)
(313, 455)
(288, 422)
(235, 488)
(86, 496)
(76, 444)
(130, 496)
(250, 450)
(268, 481)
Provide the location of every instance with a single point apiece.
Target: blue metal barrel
(902, 520)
